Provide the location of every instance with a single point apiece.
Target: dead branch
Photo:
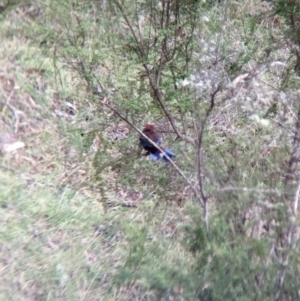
(204, 197)
(160, 100)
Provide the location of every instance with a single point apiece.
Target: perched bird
(155, 154)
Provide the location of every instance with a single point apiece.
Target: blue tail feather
(169, 153)
(154, 156)
(158, 155)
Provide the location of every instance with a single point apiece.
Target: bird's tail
(169, 153)
(158, 155)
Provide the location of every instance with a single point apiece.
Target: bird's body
(153, 151)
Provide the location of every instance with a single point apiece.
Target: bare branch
(200, 144)
(295, 157)
(130, 27)
(160, 100)
(296, 198)
(200, 140)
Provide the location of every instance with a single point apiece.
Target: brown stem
(200, 145)
(160, 100)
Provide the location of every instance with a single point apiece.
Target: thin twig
(160, 100)
(130, 27)
(200, 142)
(284, 238)
(296, 198)
(204, 198)
(246, 189)
(153, 83)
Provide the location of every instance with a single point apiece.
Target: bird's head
(149, 127)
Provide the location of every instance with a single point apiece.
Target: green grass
(57, 240)
(58, 244)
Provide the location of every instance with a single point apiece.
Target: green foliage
(87, 213)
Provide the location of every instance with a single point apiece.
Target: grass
(58, 242)
(79, 223)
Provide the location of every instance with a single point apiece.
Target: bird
(152, 150)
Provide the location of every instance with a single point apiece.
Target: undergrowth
(85, 215)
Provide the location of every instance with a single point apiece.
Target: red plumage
(150, 132)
